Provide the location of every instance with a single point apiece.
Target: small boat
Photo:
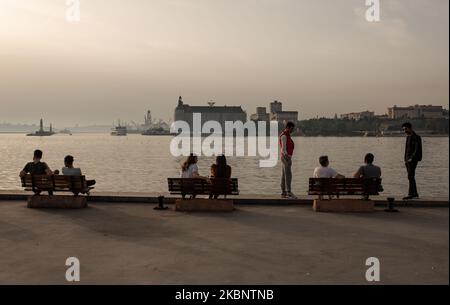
(66, 131)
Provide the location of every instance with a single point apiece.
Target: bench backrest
(344, 186)
(54, 182)
(219, 186)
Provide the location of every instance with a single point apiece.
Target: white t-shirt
(190, 171)
(324, 172)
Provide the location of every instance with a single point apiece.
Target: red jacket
(289, 143)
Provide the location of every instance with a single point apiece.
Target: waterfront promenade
(127, 243)
(247, 199)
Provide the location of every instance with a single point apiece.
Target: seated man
(69, 170)
(324, 171)
(36, 167)
(368, 170)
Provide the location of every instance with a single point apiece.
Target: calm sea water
(138, 163)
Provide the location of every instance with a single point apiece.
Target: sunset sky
(319, 57)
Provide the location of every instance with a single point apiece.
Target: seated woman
(189, 169)
(220, 170)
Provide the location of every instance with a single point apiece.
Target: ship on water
(119, 130)
(156, 132)
(65, 131)
(41, 132)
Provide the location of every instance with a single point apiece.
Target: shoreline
(246, 199)
(424, 135)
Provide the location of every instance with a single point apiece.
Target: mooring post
(160, 204)
(391, 205)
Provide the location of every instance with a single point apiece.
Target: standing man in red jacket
(287, 150)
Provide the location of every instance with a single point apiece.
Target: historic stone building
(416, 111)
(276, 114)
(184, 112)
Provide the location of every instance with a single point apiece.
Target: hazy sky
(319, 57)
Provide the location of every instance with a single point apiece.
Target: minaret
(41, 126)
(51, 128)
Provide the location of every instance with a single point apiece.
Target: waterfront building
(416, 112)
(260, 115)
(282, 117)
(276, 114)
(358, 115)
(211, 112)
(276, 107)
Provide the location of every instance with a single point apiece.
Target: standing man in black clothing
(413, 155)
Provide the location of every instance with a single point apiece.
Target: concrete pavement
(127, 243)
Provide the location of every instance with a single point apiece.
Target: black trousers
(411, 169)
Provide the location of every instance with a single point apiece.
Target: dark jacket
(413, 149)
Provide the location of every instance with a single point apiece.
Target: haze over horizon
(122, 58)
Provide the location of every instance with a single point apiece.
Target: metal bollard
(160, 204)
(391, 205)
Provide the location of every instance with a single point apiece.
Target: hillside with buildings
(426, 119)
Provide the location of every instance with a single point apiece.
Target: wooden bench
(56, 183)
(342, 187)
(345, 186)
(199, 186)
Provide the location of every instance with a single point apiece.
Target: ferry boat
(119, 131)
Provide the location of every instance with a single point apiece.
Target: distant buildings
(260, 115)
(276, 114)
(358, 115)
(395, 112)
(416, 112)
(184, 112)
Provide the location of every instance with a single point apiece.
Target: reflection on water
(142, 163)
